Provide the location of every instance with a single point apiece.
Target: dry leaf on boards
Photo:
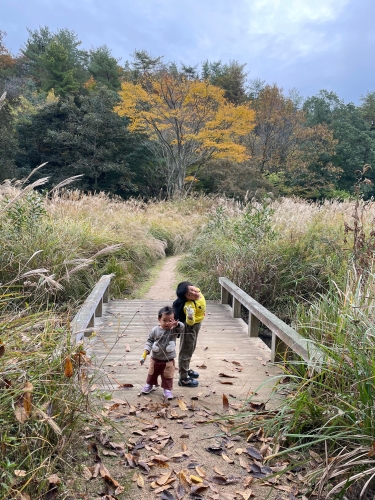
(225, 402)
(227, 459)
(182, 404)
(163, 479)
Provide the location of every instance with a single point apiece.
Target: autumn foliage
(189, 121)
(283, 145)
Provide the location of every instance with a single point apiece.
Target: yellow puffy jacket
(199, 310)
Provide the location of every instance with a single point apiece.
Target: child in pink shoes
(161, 343)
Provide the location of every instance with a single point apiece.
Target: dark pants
(163, 368)
(188, 343)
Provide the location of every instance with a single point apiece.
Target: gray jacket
(161, 344)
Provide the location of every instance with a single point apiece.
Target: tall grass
(74, 238)
(279, 252)
(41, 405)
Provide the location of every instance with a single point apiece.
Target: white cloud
(289, 16)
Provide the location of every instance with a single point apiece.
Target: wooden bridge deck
(229, 362)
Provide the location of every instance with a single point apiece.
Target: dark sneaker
(193, 374)
(188, 382)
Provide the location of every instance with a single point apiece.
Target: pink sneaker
(147, 389)
(168, 394)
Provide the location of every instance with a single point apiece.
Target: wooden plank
(223, 347)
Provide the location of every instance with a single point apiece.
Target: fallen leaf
(218, 471)
(246, 494)
(252, 452)
(264, 450)
(138, 432)
(236, 363)
(180, 492)
(140, 481)
(217, 450)
(23, 405)
(20, 473)
(86, 473)
(166, 495)
(248, 481)
(159, 458)
(54, 479)
(144, 466)
(315, 456)
(224, 382)
(186, 425)
(196, 488)
(184, 478)
(238, 451)
(68, 367)
(127, 348)
(227, 459)
(227, 376)
(200, 471)
(225, 402)
(195, 479)
(202, 366)
(27, 398)
(164, 478)
(181, 404)
(219, 479)
(244, 464)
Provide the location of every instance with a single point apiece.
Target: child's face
(192, 293)
(166, 321)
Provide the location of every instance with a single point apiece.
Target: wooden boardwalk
(229, 362)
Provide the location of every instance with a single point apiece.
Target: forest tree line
(150, 128)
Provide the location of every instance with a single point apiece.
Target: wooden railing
(283, 336)
(83, 323)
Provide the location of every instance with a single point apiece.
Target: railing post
(91, 324)
(99, 309)
(236, 308)
(224, 295)
(106, 295)
(278, 349)
(253, 325)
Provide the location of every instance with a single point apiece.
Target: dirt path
(166, 281)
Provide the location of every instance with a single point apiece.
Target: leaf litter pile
(177, 450)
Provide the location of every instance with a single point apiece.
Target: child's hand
(143, 357)
(190, 312)
(173, 323)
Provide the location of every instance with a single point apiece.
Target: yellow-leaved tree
(189, 122)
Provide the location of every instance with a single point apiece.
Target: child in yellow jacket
(190, 307)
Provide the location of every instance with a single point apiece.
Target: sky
(308, 45)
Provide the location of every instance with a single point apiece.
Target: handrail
(283, 336)
(83, 322)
